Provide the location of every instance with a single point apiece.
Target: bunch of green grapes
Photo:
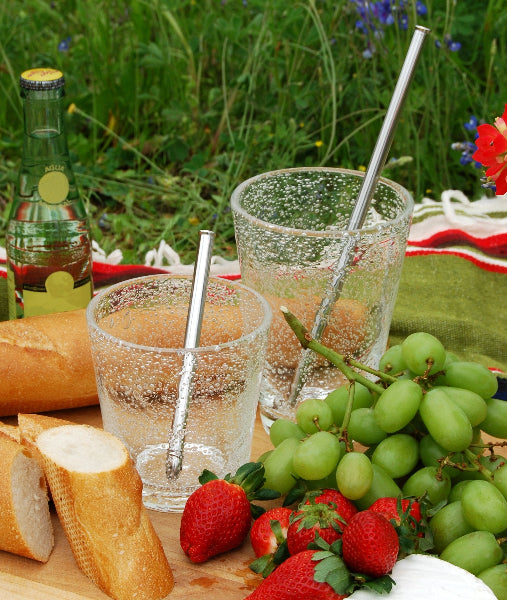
(417, 431)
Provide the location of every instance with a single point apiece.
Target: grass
(177, 101)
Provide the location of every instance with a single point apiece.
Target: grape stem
(333, 357)
(343, 435)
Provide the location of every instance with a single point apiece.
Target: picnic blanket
(453, 284)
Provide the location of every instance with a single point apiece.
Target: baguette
(46, 364)
(25, 521)
(30, 426)
(98, 496)
(11, 431)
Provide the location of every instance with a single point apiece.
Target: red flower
(492, 151)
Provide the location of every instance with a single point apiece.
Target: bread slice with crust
(11, 431)
(98, 496)
(25, 521)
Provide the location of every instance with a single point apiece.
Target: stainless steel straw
(362, 205)
(175, 450)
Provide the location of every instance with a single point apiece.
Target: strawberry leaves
(250, 477)
(330, 568)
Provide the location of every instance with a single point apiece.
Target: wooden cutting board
(225, 577)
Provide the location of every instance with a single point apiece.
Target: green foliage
(180, 100)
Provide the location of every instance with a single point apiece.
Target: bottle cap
(41, 79)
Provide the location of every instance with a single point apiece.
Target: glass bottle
(49, 265)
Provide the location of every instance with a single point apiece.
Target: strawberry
(310, 520)
(269, 540)
(217, 516)
(409, 518)
(263, 535)
(370, 544)
(295, 579)
(391, 510)
(335, 499)
(324, 512)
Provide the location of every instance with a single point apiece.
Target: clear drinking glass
(137, 330)
(291, 227)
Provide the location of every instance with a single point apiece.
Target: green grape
(398, 455)
(416, 426)
(337, 401)
(447, 424)
(500, 479)
(457, 490)
(431, 452)
(472, 376)
(282, 429)
(473, 405)
(477, 439)
(426, 480)
(492, 463)
(363, 427)
(325, 483)
(317, 456)
(449, 358)
(484, 506)
(392, 361)
(474, 552)
(496, 579)
(314, 415)
(278, 469)
(448, 525)
(263, 456)
(420, 349)
(397, 405)
(495, 423)
(354, 475)
(382, 486)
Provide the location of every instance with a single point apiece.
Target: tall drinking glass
(291, 227)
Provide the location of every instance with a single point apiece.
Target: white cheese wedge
(423, 577)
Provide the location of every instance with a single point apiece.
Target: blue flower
(467, 149)
(452, 45)
(376, 16)
(471, 124)
(420, 8)
(64, 45)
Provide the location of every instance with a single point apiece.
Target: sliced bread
(25, 521)
(98, 496)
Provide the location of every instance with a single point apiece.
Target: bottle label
(60, 294)
(54, 187)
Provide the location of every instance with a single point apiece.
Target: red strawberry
(294, 580)
(389, 508)
(309, 520)
(217, 516)
(262, 536)
(323, 512)
(370, 544)
(336, 500)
